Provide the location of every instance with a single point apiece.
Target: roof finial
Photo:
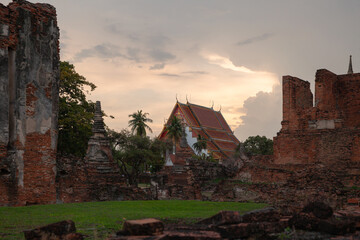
(212, 107)
(220, 109)
(187, 101)
(177, 98)
(350, 70)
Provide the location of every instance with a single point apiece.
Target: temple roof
(208, 123)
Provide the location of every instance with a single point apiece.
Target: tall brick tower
(29, 76)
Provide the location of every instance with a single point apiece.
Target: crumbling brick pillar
(29, 76)
(297, 97)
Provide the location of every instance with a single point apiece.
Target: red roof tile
(234, 139)
(226, 145)
(197, 132)
(223, 122)
(219, 135)
(229, 154)
(206, 116)
(211, 146)
(189, 116)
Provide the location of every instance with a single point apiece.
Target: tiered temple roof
(208, 123)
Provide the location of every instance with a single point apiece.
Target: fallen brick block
(143, 227)
(60, 230)
(221, 218)
(191, 235)
(319, 209)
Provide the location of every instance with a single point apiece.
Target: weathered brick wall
(262, 169)
(29, 67)
(176, 183)
(79, 181)
(326, 93)
(71, 179)
(301, 186)
(327, 133)
(297, 98)
(348, 99)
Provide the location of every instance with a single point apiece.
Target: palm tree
(174, 130)
(138, 123)
(200, 144)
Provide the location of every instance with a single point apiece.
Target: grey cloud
(160, 55)
(259, 38)
(64, 35)
(113, 28)
(158, 40)
(62, 46)
(143, 47)
(169, 75)
(105, 51)
(263, 115)
(157, 66)
(150, 40)
(196, 72)
(133, 54)
(117, 29)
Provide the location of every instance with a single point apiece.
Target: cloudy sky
(230, 54)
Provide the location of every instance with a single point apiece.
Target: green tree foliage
(238, 149)
(204, 157)
(174, 130)
(136, 154)
(138, 123)
(256, 145)
(200, 144)
(75, 111)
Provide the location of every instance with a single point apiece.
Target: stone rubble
(315, 221)
(56, 231)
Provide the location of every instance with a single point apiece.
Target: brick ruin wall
(317, 149)
(327, 132)
(29, 60)
(79, 181)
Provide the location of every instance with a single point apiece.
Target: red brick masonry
(329, 131)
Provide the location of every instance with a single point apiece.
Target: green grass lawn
(98, 219)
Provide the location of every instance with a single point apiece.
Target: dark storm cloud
(157, 66)
(160, 55)
(104, 51)
(259, 38)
